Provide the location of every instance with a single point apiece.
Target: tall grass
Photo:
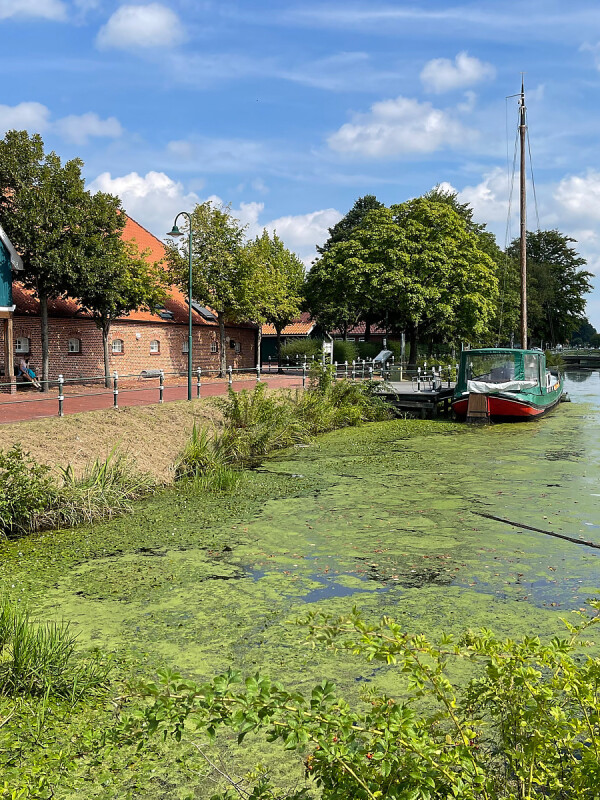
(39, 660)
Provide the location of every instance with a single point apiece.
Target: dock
(424, 402)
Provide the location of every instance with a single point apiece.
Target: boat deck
(426, 403)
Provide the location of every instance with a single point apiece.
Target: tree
(220, 267)
(556, 285)
(277, 278)
(342, 230)
(454, 285)
(584, 333)
(116, 282)
(48, 215)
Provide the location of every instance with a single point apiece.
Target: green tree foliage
(276, 283)
(117, 280)
(453, 282)
(556, 285)
(584, 333)
(524, 725)
(353, 219)
(221, 267)
(52, 220)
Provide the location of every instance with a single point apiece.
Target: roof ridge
(129, 217)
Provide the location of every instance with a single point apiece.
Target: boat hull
(507, 407)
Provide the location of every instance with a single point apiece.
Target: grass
(38, 659)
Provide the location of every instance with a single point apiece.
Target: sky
(290, 111)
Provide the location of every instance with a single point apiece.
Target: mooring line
(539, 530)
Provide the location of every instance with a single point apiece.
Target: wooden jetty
(422, 401)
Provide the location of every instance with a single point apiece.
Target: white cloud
(141, 26)
(443, 75)
(400, 126)
(221, 155)
(303, 232)
(579, 195)
(153, 199)
(46, 9)
(489, 199)
(33, 117)
(78, 129)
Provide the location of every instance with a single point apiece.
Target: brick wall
(136, 337)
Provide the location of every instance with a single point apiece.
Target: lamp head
(175, 232)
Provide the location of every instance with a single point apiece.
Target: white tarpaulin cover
(483, 387)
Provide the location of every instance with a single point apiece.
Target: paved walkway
(29, 405)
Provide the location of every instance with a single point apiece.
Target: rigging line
(537, 216)
(511, 184)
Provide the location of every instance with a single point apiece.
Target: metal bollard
(346, 370)
(229, 376)
(370, 373)
(258, 373)
(335, 371)
(198, 381)
(353, 373)
(418, 379)
(363, 369)
(115, 390)
(269, 365)
(304, 376)
(61, 396)
(449, 375)
(161, 386)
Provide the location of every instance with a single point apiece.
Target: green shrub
(26, 491)
(525, 724)
(368, 350)
(38, 659)
(345, 351)
(298, 348)
(555, 360)
(198, 456)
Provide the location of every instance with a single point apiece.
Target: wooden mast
(523, 216)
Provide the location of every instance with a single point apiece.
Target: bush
(368, 350)
(26, 491)
(345, 351)
(526, 725)
(38, 660)
(298, 348)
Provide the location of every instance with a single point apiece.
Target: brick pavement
(29, 405)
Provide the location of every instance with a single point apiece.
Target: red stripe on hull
(502, 407)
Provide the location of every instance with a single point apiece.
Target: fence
(360, 370)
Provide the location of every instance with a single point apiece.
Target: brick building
(140, 341)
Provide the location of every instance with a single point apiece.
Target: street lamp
(176, 233)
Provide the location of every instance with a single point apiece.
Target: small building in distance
(141, 341)
(300, 328)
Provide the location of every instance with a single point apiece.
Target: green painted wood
(5, 277)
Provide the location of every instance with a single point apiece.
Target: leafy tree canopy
(353, 219)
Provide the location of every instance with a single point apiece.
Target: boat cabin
(501, 369)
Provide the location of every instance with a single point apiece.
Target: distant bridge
(581, 358)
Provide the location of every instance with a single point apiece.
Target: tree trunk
(45, 349)
(279, 368)
(345, 331)
(367, 331)
(413, 345)
(105, 327)
(222, 350)
(258, 346)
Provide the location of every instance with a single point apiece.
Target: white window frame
(20, 347)
(185, 346)
(154, 347)
(214, 347)
(74, 345)
(118, 346)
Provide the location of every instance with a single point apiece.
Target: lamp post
(176, 233)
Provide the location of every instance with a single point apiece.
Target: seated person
(26, 372)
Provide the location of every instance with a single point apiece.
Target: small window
(117, 345)
(238, 347)
(361, 338)
(22, 344)
(75, 345)
(214, 347)
(155, 346)
(185, 346)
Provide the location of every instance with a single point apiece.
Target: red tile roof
(299, 327)
(176, 302)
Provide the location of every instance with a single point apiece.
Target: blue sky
(289, 111)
